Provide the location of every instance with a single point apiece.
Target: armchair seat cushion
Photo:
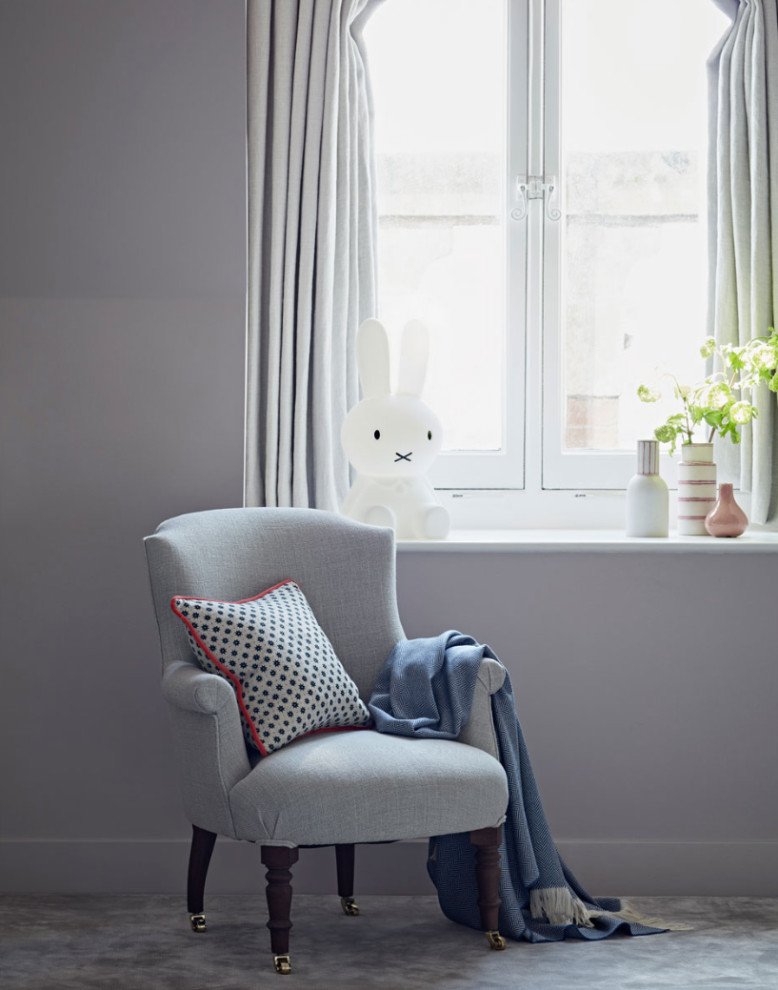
(365, 786)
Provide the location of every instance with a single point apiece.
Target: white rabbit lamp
(391, 438)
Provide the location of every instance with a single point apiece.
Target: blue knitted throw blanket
(425, 690)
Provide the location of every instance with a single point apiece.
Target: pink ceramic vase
(726, 518)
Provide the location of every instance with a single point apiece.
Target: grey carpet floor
(134, 942)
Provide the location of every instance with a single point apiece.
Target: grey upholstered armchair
(331, 788)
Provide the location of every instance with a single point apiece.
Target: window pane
(634, 256)
(438, 72)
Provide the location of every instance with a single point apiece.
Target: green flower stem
(712, 433)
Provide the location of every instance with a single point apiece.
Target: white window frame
(532, 481)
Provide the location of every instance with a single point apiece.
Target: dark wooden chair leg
(344, 860)
(199, 859)
(487, 871)
(279, 861)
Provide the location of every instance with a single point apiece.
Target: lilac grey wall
(646, 684)
(122, 281)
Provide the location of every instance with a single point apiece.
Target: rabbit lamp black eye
(391, 488)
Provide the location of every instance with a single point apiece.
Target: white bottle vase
(648, 502)
(696, 488)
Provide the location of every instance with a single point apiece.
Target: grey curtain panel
(744, 221)
(311, 249)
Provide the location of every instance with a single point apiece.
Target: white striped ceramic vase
(696, 488)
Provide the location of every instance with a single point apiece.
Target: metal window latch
(533, 187)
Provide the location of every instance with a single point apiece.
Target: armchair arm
(187, 687)
(479, 731)
(210, 747)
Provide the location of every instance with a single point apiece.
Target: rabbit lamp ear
(373, 359)
(414, 352)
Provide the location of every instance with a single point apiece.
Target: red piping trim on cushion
(228, 674)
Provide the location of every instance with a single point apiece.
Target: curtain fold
(744, 222)
(311, 243)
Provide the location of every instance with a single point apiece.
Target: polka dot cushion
(276, 655)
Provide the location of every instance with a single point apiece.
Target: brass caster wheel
(197, 921)
(496, 941)
(349, 906)
(283, 965)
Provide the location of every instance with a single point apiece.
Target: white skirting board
(612, 868)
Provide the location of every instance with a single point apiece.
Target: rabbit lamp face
(396, 436)
(393, 438)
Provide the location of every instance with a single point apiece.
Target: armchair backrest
(345, 569)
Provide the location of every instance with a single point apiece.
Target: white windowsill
(598, 541)
(572, 521)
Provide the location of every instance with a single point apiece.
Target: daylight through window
(541, 191)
